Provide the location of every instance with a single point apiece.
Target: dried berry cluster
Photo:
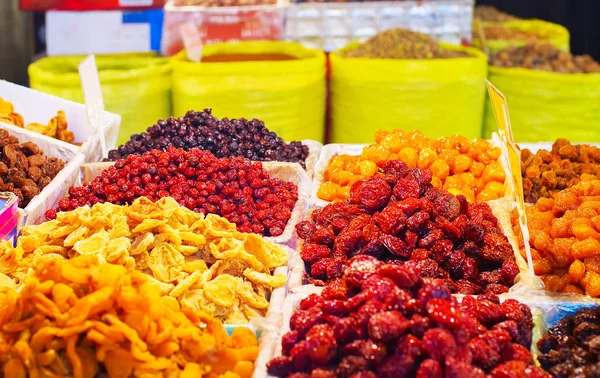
(384, 320)
(545, 173)
(401, 43)
(545, 57)
(224, 138)
(235, 188)
(24, 169)
(572, 347)
(401, 216)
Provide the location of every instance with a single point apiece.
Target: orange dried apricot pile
(78, 318)
(460, 166)
(564, 235)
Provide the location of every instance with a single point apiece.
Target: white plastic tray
(40, 107)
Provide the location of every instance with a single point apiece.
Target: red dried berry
(371, 193)
(387, 326)
(430, 369)
(439, 344)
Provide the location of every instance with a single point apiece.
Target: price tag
(192, 40)
(92, 94)
(500, 108)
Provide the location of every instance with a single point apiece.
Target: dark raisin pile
(572, 347)
(401, 216)
(223, 137)
(384, 320)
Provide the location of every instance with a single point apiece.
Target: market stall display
(470, 168)
(570, 347)
(222, 137)
(549, 92)
(135, 86)
(401, 216)
(564, 239)
(39, 108)
(203, 262)
(238, 189)
(384, 320)
(24, 169)
(547, 172)
(80, 318)
(434, 93)
(56, 128)
(499, 36)
(544, 57)
(288, 95)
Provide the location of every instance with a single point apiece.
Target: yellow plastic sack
(555, 34)
(135, 86)
(545, 105)
(437, 96)
(288, 95)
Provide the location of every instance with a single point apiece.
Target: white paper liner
(284, 171)
(330, 150)
(314, 151)
(48, 198)
(40, 108)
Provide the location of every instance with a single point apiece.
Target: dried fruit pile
(493, 32)
(234, 188)
(401, 216)
(384, 320)
(222, 3)
(470, 168)
(545, 57)
(203, 262)
(489, 13)
(401, 43)
(78, 318)
(571, 348)
(565, 239)
(57, 127)
(548, 172)
(222, 137)
(24, 169)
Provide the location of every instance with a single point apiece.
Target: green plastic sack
(288, 95)
(436, 96)
(545, 105)
(135, 86)
(555, 34)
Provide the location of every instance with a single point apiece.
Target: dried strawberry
(311, 301)
(516, 352)
(305, 229)
(404, 277)
(288, 341)
(430, 369)
(350, 365)
(359, 268)
(439, 344)
(336, 289)
(323, 235)
(396, 366)
(280, 366)
(321, 344)
(387, 326)
(457, 369)
(311, 253)
(372, 193)
(406, 188)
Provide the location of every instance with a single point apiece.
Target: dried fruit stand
(211, 245)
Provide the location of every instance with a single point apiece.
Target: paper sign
(500, 108)
(192, 40)
(92, 94)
